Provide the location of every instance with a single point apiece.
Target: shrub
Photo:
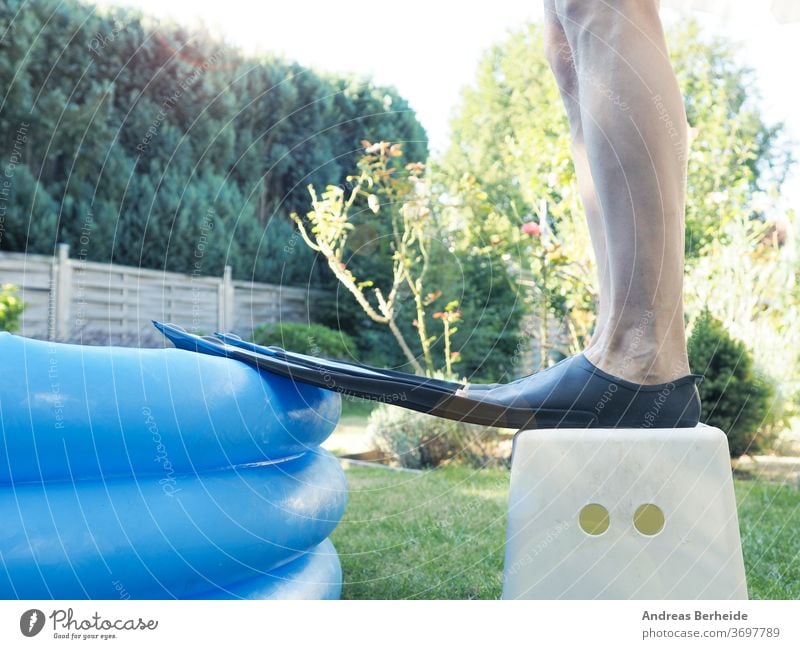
(492, 308)
(315, 339)
(735, 397)
(418, 441)
(11, 308)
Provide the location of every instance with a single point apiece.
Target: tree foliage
(394, 241)
(511, 138)
(734, 154)
(148, 144)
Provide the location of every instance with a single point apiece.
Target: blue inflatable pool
(315, 575)
(162, 474)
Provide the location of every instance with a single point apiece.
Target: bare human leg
(628, 130)
(562, 63)
(633, 128)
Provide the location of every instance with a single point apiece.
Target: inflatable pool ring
(315, 575)
(65, 538)
(109, 411)
(162, 473)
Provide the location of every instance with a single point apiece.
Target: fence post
(225, 303)
(60, 294)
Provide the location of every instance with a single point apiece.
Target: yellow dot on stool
(648, 519)
(594, 519)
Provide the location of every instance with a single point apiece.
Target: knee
(599, 16)
(573, 13)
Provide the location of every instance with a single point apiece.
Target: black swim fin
(432, 396)
(279, 352)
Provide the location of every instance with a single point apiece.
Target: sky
(429, 49)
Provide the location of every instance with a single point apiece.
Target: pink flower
(532, 229)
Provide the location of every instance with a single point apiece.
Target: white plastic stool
(622, 514)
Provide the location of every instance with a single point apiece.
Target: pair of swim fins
(571, 394)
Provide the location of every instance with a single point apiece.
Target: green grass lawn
(440, 535)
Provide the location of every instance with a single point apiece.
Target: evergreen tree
(138, 132)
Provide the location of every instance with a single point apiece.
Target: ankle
(643, 361)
